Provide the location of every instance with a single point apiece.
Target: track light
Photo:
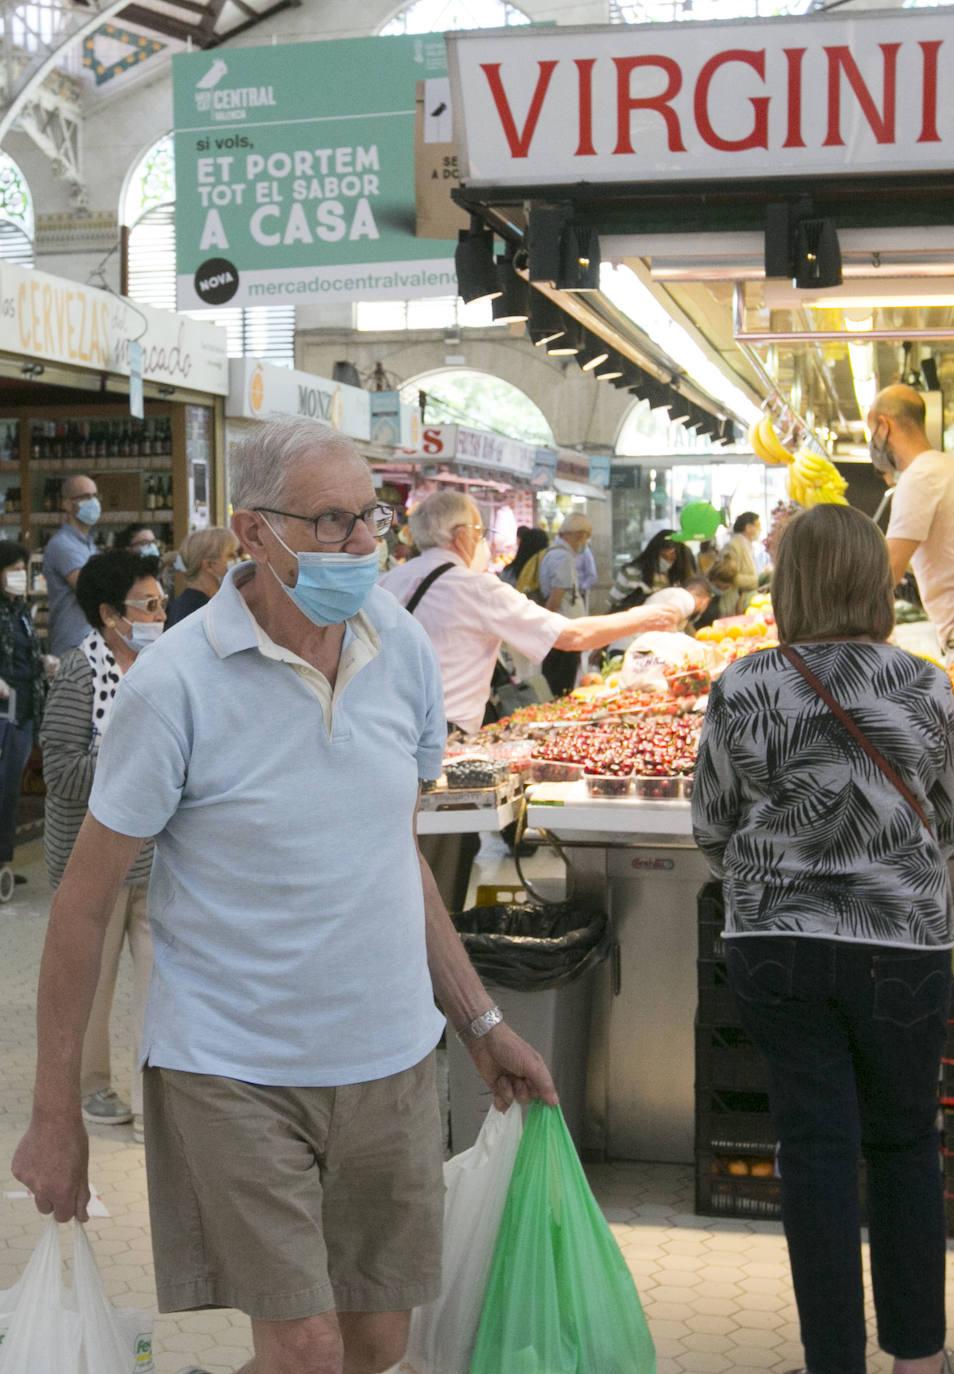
(579, 259)
(610, 369)
(593, 352)
(569, 342)
(678, 407)
(512, 306)
(546, 320)
(817, 254)
(474, 262)
(800, 246)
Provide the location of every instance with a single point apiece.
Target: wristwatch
(479, 1026)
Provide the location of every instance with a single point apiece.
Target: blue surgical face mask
(148, 550)
(331, 587)
(143, 633)
(89, 510)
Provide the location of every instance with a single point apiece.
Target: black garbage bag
(533, 946)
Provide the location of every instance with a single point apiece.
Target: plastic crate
(727, 1059)
(710, 912)
(716, 1003)
(721, 1193)
(734, 1122)
(946, 1087)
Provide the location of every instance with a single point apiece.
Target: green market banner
(295, 172)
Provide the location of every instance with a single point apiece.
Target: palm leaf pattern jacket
(807, 834)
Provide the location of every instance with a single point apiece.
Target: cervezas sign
(691, 101)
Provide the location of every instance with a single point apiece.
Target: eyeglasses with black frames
(336, 526)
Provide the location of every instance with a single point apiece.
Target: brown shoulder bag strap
(874, 754)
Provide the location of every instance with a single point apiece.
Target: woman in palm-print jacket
(838, 932)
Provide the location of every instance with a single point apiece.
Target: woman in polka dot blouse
(123, 602)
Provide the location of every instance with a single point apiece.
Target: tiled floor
(716, 1292)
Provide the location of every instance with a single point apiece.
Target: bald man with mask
(67, 551)
(921, 527)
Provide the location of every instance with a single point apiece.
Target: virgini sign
(689, 101)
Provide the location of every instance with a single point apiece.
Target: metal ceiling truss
(46, 111)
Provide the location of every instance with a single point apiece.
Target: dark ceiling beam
(142, 18)
(253, 23)
(213, 12)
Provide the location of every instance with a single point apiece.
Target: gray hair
(261, 463)
(433, 522)
(577, 523)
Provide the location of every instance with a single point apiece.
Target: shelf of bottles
(10, 495)
(127, 447)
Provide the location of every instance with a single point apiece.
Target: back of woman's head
(832, 577)
(531, 540)
(108, 578)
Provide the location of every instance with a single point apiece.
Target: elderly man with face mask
(921, 527)
(274, 743)
(467, 614)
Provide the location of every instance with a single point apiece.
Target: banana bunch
(812, 480)
(765, 442)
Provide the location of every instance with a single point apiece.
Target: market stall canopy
(819, 283)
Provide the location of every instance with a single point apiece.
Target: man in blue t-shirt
(66, 552)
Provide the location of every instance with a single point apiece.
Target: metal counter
(638, 858)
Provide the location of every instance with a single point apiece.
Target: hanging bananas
(812, 480)
(765, 442)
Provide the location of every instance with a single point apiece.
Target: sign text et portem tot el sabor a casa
(295, 173)
(825, 94)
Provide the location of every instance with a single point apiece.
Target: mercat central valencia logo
(229, 102)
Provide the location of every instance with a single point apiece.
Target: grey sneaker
(105, 1109)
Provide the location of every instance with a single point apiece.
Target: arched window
(460, 396)
(16, 214)
(148, 207)
(437, 16)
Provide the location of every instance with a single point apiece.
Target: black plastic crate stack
(946, 1094)
(735, 1140)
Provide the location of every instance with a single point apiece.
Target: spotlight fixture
(593, 352)
(569, 342)
(474, 262)
(579, 259)
(817, 254)
(801, 246)
(609, 370)
(512, 306)
(929, 373)
(629, 376)
(678, 407)
(545, 226)
(546, 320)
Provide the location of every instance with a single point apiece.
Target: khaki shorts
(287, 1202)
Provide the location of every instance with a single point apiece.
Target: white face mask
(142, 634)
(15, 582)
(481, 559)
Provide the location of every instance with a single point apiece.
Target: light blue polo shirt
(67, 550)
(285, 901)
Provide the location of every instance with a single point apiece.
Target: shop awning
(568, 488)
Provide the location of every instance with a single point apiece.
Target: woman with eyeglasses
(204, 557)
(119, 593)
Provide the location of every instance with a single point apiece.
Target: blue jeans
(853, 1036)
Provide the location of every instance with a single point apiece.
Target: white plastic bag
(48, 1329)
(443, 1334)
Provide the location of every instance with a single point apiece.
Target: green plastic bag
(560, 1299)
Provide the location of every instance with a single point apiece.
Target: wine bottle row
(79, 440)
